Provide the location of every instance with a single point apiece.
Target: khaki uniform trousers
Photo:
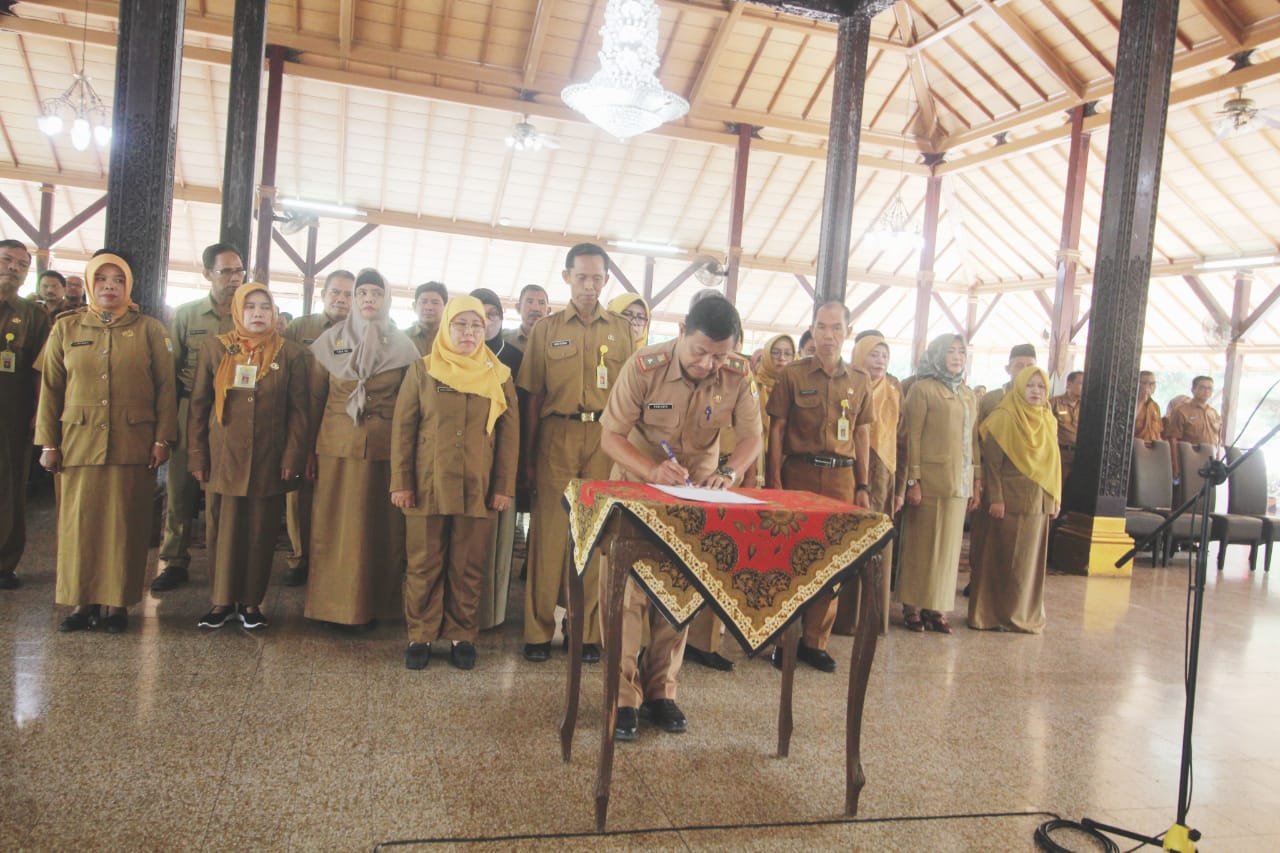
(446, 562)
(183, 491)
(882, 486)
(297, 516)
(820, 614)
(663, 655)
(567, 449)
(705, 631)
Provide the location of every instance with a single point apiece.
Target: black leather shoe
(8, 580)
(711, 660)
(626, 727)
(81, 620)
(537, 652)
(171, 578)
(295, 577)
(417, 656)
(666, 715)
(816, 658)
(590, 653)
(463, 655)
(116, 623)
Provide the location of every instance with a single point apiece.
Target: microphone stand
(1181, 837)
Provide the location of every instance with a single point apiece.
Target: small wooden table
(755, 565)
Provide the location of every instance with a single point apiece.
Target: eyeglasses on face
(468, 328)
(636, 318)
(227, 272)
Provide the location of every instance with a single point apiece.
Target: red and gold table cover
(759, 563)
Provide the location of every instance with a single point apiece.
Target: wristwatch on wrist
(726, 471)
(911, 483)
(862, 487)
(164, 444)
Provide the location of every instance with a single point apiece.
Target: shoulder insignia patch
(653, 360)
(737, 364)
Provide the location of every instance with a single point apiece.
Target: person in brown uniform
(337, 293)
(1021, 357)
(51, 291)
(820, 441)
(1194, 422)
(106, 420)
(75, 291)
(250, 438)
(533, 307)
(1066, 409)
(24, 326)
(682, 392)
(571, 364)
(357, 537)
(1148, 425)
(428, 301)
(193, 324)
(454, 448)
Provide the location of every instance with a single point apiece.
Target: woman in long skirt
(107, 418)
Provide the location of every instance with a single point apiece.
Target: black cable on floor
(1044, 833)
(709, 827)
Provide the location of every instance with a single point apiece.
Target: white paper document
(706, 496)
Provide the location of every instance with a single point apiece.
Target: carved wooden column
(239, 185)
(144, 133)
(1093, 536)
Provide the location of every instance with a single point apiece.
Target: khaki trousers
(705, 631)
(446, 561)
(183, 491)
(297, 516)
(820, 614)
(567, 449)
(662, 657)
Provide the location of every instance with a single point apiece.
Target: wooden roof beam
(533, 52)
(928, 115)
(962, 21)
(1050, 60)
(723, 33)
(1216, 13)
(346, 26)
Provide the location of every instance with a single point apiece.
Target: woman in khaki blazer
(454, 450)
(1020, 458)
(247, 440)
(107, 417)
(357, 537)
(943, 483)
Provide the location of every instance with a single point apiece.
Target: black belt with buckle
(823, 461)
(585, 417)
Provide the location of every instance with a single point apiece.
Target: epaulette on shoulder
(737, 364)
(652, 360)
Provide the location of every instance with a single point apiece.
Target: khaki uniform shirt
(337, 434)
(422, 339)
(516, 338)
(29, 326)
(990, 400)
(107, 393)
(1067, 413)
(1005, 484)
(305, 330)
(810, 401)
(561, 359)
(1195, 424)
(263, 429)
(1148, 425)
(441, 450)
(654, 402)
(193, 324)
(942, 439)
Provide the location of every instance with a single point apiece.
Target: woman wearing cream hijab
(454, 447)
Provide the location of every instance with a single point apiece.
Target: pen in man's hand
(666, 448)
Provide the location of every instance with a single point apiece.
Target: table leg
(621, 558)
(573, 597)
(790, 641)
(864, 651)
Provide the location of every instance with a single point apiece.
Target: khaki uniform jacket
(990, 400)
(305, 330)
(1004, 483)
(422, 339)
(810, 401)
(107, 393)
(936, 419)
(1194, 424)
(337, 435)
(1067, 414)
(29, 325)
(560, 362)
(516, 338)
(442, 452)
(654, 402)
(1148, 425)
(266, 428)
(193, 324)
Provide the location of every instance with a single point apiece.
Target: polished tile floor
(302, 738)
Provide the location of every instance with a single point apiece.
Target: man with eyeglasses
(1148, 425)
(428, 301)
(336, 296)
(533, 306)
(75, 291)
(193, 324)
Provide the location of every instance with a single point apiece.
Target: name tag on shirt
(308, 341)
(194, 332)
(445, 389)
(563, 343)
(661, 406)
(81, 343)
(808, 392)
(343, 351)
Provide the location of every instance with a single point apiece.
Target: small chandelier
(894, 227)
(89, 121)
(624, 97)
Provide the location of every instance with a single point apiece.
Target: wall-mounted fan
(709, 271)
(293, 221)
(1215, 333)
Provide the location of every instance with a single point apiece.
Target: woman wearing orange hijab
(248, 439)
(106, 421)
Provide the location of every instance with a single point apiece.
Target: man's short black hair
(1074, 375)
(286, 316)
(848, 315)
(715, 318)
(436, 287)
(804, 339)
(14, 244)
(62, 280)
(210, 255)
(338, 274)
(585, 250)
(1199, 379)
(531, 288)
(1143, 374)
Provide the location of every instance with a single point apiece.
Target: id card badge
(602, 372)
(842, 429)
(8, 361)
(246, 376)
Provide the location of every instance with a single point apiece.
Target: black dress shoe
(81, 620)
(711, 660)
(171, 578)
(590, 653)
(816, 658)
(116, 623)
(626, 726)
(295, 577)
(8, 580)
(537, 652)
(666, 715)
(417, 656)
(463, 655)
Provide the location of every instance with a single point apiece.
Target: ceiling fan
(1240, 115)
(525, 137)
(709, 271)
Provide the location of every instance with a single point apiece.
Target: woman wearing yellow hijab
(778, 352)
(248, 439)
(635, 310)
(1023, 476)
(454, 446)
(106, 421)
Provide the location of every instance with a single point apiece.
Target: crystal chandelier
(893, 228)
(624, 97)
(89, 121)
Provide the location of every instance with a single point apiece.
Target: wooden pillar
(1235, 358)
(737, 210)
(924, 278)
(45, 242)
(853, 38)
(144, 133)
(239, 187)
(270, 143)
(309, 270)
(1066, 297)
(648, 278)
(1093, 536)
